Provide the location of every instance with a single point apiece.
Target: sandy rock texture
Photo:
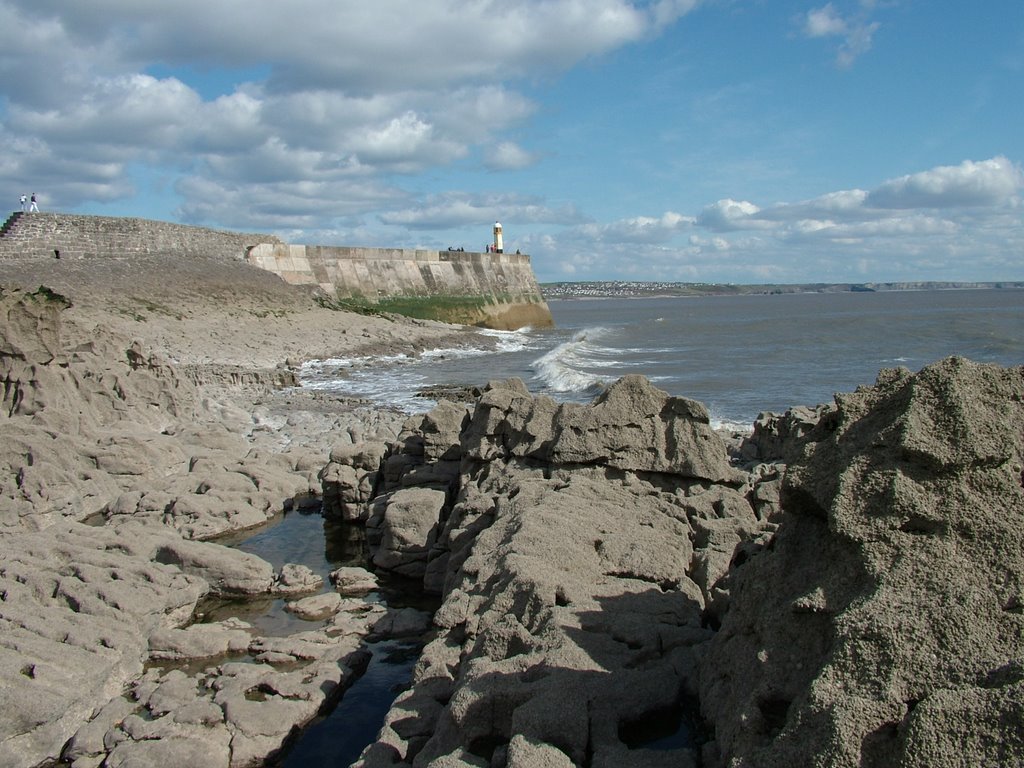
(144, 412)
(620, 586)
(576, 547)
(883, 624)
(610, 576)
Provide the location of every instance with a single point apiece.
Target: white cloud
(990, 182)
(509, 156)
(636, 229)
(285, 204)
(727, 215)
(358, 46)
(950, 222)
(856, 30)
(132, 111)
(824, 22)
(405, 143)
(332, 86)
(454, 210)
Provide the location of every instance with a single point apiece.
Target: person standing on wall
(34, 206)
(24, 203)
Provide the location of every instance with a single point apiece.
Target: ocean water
(739, 355)
(338, 736)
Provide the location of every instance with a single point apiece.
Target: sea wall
(68, 236)
(497, 290)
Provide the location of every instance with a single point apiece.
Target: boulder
(352, 580)
(635, 426)
(315, 607)
(227, 571)
(350, 479)
(200, 640)
(883, 623)
(295, 578)
(402, 526)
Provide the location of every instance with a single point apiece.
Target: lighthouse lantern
(499, 247)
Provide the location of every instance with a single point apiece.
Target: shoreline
(611, 289)
(799, 588)
(139, 425)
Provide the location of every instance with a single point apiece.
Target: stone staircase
(11, 222)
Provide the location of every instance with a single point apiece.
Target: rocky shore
(140, 420)
(850, 597)
(620, 585)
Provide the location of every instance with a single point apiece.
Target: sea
(739, 355)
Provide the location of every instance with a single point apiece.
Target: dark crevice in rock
(678, 726)
(774, 712)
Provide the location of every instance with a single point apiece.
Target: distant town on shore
(628, 289)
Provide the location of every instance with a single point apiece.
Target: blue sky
(693, 140)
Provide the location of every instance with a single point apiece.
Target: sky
(741, 141)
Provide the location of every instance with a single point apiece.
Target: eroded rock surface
(605, 567)
(575, 597)
(116, 466)
(883, 626)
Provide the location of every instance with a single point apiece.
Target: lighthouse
(498, 245)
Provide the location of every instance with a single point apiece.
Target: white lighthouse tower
(499, 247)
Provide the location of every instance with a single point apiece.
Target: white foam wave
(732, 426)
(511, 341)
(563, 368)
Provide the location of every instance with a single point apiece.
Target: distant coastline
(627, 289)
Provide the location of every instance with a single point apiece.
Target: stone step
(11, 222)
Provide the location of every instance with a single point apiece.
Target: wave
(510, 341)
(563, 368)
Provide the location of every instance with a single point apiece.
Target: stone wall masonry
(43, 235)
(494, 289)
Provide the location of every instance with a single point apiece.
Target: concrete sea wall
(498, 290)
(494, 290)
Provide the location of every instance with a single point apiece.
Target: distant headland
(594, 289)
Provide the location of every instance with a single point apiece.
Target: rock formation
(579, 553)
(609, 577)
(619, 587)
(116, 466)
(883, 625)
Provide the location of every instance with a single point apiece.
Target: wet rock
(315, 607)
(295, 578)
(352, 580)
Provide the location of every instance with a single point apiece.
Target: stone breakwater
(494, 290)
(607, 569)
(70, 236)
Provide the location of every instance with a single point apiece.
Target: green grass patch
(358, 305)
(466, 310)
